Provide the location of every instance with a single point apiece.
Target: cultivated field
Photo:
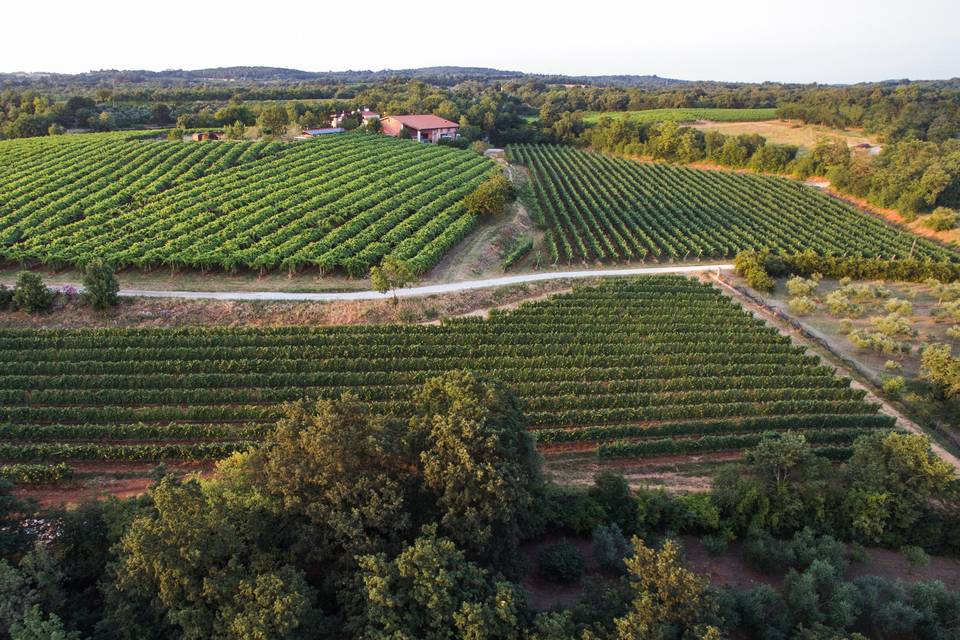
(599, 207)
(335, 203)
(637, 368)
(684, 115)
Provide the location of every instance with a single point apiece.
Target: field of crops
(607, 208)
(337, 202)
(684, 115)
(634, 368)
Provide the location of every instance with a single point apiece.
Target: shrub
(894, 385)
(100, 285)
(846, 327)
(799, 286)
(802, 305)
(752, 266)
(839, 304)
(715, 544)
(612, 492)
(892, 365)
(942, 219)
(915, 555)
(31, 295)
(897, 305)
(954, 332)
(858, 553)
(561, 563)
(893, 325)
(6, 297)
(490, 197)
(610, 547)
(766, 554)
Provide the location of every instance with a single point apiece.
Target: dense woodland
(350, 522)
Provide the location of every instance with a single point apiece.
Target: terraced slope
(638, 367)
(607, 208)
(338, 202)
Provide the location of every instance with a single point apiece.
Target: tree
(896, 476)
(478, 460)
(668, 597)
(235, 131)
(342, 479)
(35, 626)
(160, 114)
(431, 591)
(31, 295)
(781, 489)
(273, 121)
(490, 197)
(176, 134)
(100, 285)
(942, 369)
(205, 557)
(392, 274)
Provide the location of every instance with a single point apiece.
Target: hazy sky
(746, 40)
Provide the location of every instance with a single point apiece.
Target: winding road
(426, 290)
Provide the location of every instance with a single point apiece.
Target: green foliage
(520, 249)
(100, 285)
(892, 478)
(715, 544)
(612, 492)
(31, 295)
(894, 385)
(203, 557)
(561, 563)
(333, 212)
(490, 197)
(392, 274)
(666, 595)
(35, 473)
(915, 555)
(802, 305)
(602, 208)
(750, 265)
(610, 547)
(6, 297)
(430, 590)
(35, 626)
(942, 369)
(478, 460)
(798, 286)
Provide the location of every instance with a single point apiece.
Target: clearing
(790, 132)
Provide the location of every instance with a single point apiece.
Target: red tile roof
(423, 122)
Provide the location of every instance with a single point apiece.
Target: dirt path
(828, 358)
(426, 290)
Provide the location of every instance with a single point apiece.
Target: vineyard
(684, 115)
(632, 368)
(598, 207)
(338, 202)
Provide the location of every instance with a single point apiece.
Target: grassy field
(804, 136)
(599, 207)
(335, 203)
(636, 368)
(684, 115)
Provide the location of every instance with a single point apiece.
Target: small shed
(200, 136)
(312, 133)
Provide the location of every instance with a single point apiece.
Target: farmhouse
(423, 128)
(200, 136)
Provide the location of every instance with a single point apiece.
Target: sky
(836, 41)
